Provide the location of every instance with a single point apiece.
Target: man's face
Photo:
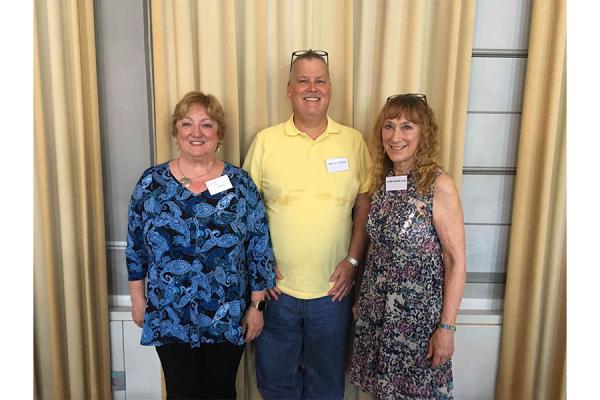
(309, 88)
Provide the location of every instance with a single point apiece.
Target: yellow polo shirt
(309, 188)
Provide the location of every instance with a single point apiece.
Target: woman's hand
(252, 324)
(441, 346)
(138, 309)
(355, 309)
(138, 301)
(274, 292)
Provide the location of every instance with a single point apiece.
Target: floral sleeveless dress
(400, 300)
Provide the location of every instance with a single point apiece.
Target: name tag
(394, 183)
(218, 185)
(337, 164)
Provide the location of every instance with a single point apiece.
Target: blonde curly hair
(415, 109)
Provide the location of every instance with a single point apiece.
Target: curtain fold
(416, 46)
(71, 338)
(533, 348)
(240, 52)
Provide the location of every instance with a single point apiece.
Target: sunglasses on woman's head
(417, 95)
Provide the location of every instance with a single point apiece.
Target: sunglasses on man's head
(417, 95)
(322, 54)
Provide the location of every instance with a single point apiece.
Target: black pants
(206, 372)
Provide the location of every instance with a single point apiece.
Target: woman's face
(197, 134)
(400, 139)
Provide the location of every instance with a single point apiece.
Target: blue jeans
(301, 351)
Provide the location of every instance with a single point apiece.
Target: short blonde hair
(417, 111)
(309, 55)
(208, 101)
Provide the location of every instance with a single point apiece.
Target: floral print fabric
(400, 300)
(202, 254)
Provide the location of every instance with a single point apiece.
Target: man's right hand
(274, 292)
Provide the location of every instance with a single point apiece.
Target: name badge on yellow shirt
(218, 185)
(337, 164)
(394, 183)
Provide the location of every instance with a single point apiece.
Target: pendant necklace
(185, 181)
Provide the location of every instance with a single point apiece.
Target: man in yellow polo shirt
(313, 175)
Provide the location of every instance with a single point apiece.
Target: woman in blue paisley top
(415, 270)
(198, 233)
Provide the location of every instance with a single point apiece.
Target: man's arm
(343, 274)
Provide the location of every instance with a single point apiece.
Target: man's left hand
(342, 279)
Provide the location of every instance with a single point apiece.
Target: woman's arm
(138, 301)
(253, 322)
(135, 255)
(449, 225)
(261, 263)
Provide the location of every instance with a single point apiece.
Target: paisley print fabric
(400, 300)
(202, 254)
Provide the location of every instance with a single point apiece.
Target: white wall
(491, 141)
(125, 120)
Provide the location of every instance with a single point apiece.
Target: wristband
(446, 326)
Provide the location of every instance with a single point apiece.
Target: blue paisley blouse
(202, 254)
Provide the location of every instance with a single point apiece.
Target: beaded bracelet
(446, 326)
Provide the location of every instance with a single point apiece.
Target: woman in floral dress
(415, 271)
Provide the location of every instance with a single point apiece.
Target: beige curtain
(71, 339)
(532, 355)
(240, 52)
(415, 46)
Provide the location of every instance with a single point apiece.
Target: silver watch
(353, 261)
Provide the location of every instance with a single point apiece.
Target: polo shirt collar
(291, 130)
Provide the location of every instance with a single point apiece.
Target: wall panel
(487, 199)
(491, 140)
(497, 84)
(487, 248)
(502, 24)
(124, 108)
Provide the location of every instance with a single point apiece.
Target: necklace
(186, 182)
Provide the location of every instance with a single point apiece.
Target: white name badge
(218, 185)
(393, 183)
(337, 164)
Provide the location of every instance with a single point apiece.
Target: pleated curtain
(240, 51)
(71, 338)
(533, 349)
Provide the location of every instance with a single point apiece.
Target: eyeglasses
(322, 54)
(417, 95)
